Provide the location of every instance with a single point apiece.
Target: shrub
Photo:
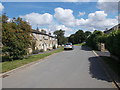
(54, 47)
(94, 39)
(42, 50)
(16, 38)
(36, 51)
(113, 43)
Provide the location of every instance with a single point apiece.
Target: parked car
(68, 46)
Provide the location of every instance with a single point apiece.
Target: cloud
(108, 0)
(65, 16)
(67, 21)
(58, 27)
(40, 19)
(108, 5)
(55, 27)
(9, 20)
(81, 13)
(97, 20)
(1, 7)
(118, 18)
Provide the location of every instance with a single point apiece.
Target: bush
(16, 38)
(113, 43)
(36, 51)
(94, 39)
(42, 50)
(54, 47)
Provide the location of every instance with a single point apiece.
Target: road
(78, 68)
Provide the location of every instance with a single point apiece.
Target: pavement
(105, 53)
(78, 68)
(111, 73)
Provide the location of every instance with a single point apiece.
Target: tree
(43, 31)
(87, 34)
(78, 37)
(94, 39)
(71, 38)
(16, 38)
(4, 18)
(59, 34)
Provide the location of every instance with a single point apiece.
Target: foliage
(79, 37)
(43, 31)
(41, 50)
(9, 65)
(36, 51)
(60, 36)
(4, 18)
(113, 43)
(72, 39)
(16, 37)
(54, 47)
(94, 39)
(87, 34)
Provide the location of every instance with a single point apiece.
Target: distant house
(43, 41)
(112, 29)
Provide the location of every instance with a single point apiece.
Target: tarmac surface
(78, 68)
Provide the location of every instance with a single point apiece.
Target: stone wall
(101, 47)
(43, 41)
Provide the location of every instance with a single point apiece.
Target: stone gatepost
(101, 47)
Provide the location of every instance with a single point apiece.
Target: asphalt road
(78, 68)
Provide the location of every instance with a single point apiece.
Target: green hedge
(113, 43)
(94, 39)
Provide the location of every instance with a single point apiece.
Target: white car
(68, 46)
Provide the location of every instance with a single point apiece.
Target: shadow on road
(85, 48)
(96, 70)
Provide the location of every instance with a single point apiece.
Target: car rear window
(69, 44)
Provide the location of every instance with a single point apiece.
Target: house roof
(38, 32)
(111, 29)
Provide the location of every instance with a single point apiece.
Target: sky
(68, 16)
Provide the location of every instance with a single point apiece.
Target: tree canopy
(16, 37)
(79, 37)
(59, 34)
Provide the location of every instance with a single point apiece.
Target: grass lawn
(79, 44)
(9, 65)
(113, 64)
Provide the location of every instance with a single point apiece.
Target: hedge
(113, 43)
(94, 39)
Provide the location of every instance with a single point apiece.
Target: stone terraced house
(43, 41)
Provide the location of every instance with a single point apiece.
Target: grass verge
(9, 65)
(113, 64)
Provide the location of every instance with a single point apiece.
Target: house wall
(44, 42)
